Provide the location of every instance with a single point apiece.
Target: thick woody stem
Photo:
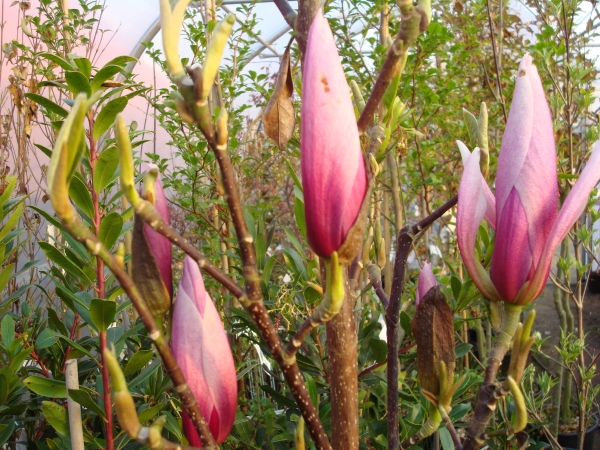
(342, 348)
(287, 12)
(252, 300)
(188, 401)
(407, 35)
(489, 394)
(392, 316)
(307, 10)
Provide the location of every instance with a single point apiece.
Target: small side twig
(496, 61)
(453, 433)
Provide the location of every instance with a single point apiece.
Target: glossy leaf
(57, 417)
(46, 387)
(107, 116)
(106, 167)
(48, 104)
(102, 313)
(110, 229)
(78, 83)
(138, 361)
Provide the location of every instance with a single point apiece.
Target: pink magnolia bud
(528, 228)
(159, 245)
(426, 281)
(333, 170)
(202, 352)
(151, 254)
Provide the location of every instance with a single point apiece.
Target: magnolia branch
(406, 238)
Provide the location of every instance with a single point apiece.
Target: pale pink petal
(490, 211)
(571, 210)
(159, 245)
(426, 281)
(333, 172)
(202, 351)
(471, 209)
(517, 136)
(512, 258)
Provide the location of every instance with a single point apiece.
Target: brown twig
(287, 12)
(496, 62)
(406, 238)
(188, 401)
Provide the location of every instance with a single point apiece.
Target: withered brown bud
(434, 332)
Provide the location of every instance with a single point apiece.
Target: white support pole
(75, 425)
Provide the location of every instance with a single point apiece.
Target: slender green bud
(149, 180)
(155, 433)
(482, 140)
(359, 100)
(124, 404)
(299, 435)
(374, 165)
(214, 53)
(520, 421)
(528, 325)
(222, 126)
(126, 160)
(171, 22)
(335, 281)
(472, 126)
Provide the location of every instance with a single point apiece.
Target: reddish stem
(101, 294)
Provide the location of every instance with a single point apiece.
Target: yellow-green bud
(214, 53)
(126, 160)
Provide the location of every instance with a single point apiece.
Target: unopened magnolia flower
(426, 281)
(528, 227)
(202, 352)
(333, 170)
(151, 252)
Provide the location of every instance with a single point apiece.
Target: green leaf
(379, 349)
(104, 74)
(281, 400)
(405, 322)
(300, 215)
(462, 349)
(46, 387)
(85, 399)
(47, 338)
(121, 61)
(18, 360)
(106, 167)
(78, 83)
(150, 413)
(8, 190)
(84, 65)
(107, 116)
(446, 439)
(57, 417)
(138, 361)
(5, 276)
(57, 60)
(53, 254)
(48, 104)
(110, 229)
(102, 313)
(7, 327)
(80, 195)
(7, 432)
(11, 221)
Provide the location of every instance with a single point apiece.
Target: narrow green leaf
(46, 387)
(54, 255)
(58, 60)
(48, 104)
(11, 222)
(84, 65)
(106, 167)
(138, 361)
(8, 190)
(7, 432)
(85, 399)
(150, 413)
(45, 150)
(17, 361)
(107, 116)
(102, 313)
(104, 74)
(79, 193)
(57, 417)
(110, 229)
(78, 83)
(5, 276)
(7, 327)
(47, 338)
(121, 61)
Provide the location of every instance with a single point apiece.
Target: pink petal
(159, 245)
(490, 211)
(333, 172)
(471, 209)
(512, 258)
(426, 281)
(202, 351)
(571, 210)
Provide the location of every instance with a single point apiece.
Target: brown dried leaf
(434, 332)
(279, 117)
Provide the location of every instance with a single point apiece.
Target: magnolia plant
(338, 163)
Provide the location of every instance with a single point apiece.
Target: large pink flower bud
(202, 352)
(151, 253)
(333, 170)
(426, 281)
(528, 228)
